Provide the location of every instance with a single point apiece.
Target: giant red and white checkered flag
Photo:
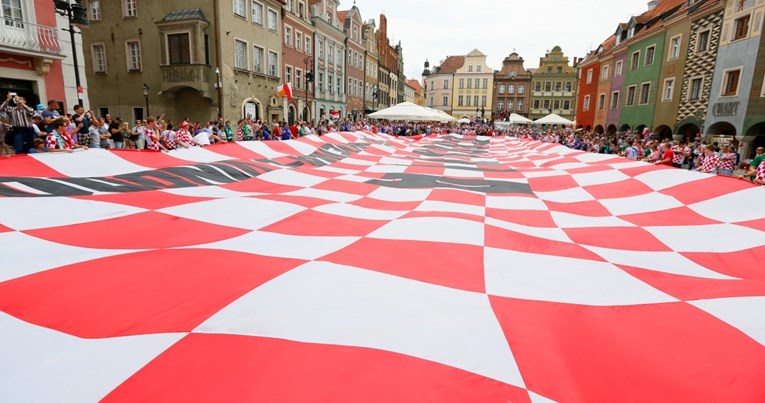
(353, 267)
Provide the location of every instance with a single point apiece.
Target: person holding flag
(284, 90)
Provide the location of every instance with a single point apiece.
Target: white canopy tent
(445, 116)
(407, 111)
(464, 121)
(553, 119)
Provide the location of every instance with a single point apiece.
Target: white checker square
(400, 195)
(432, 205)
(515, 203)
(362, 213)
(664, 262)
(362, 308)
(741, 206)
(260, 147)
(718, 238)
(572, 195)
(88, 164)
(462, 173)
(198, 154)
(661, 179)
(325, 195)
(245, 212)
(291, 177)
(281, 245)
(567, 220)
(387, 169)
(433, 229)
(645, 203)
(45, 212)
(553, 234)
(536, 277)
(599, 178)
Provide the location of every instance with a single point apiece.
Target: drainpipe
(218, 58)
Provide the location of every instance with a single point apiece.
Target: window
(94, 10)
(462, 83)
(538, 86)
(631, 95)
(568, 86)
(321, 50)
(548, 86)
(614, 99)
(730, 82)
(467, 100)
(558, 86)
(520, 105)
(619, 69)
(460, 101)
(510, 105)
(308, 48)
(741, 27)
(589, 76)
(298, 79)
(257, 12)
(339, 86)
(288, 74)
(500, 105)
(12, 13)
(288, 36)
(485, 82)
(674, 47)
(635, 60)
(560, 69)
(502, 88)
(470, 69)
(601, 101)
(566, 105)
(586, 104)
(604, 72)
(272, 18)
(556, 104)
(446, 84)
(446, 101)
(178, 49)
(702, 41)
(273, 62)
(511, 89)
(475, 100)
(521, 88)
(649, 53)
(129, 8)
(470, 83)
(301, 9)
(240, 8)
(478, 68)
(298, 40)
(133, 49)
(483, 100)
(695, 92)
(321, 82)
(240, 54)
(98, 51)
(669, 90)
(645, 92)
(536, 104)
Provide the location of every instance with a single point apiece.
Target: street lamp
(77, 17)
(477, 111)
(308, 61)
(218, 87)
(146, 98)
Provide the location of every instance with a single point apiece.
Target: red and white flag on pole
(284, 90)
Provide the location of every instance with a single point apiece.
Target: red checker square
(672, 217)
(688, 288)
(280, 147)
(501, 238)
(315, 223)
(621, 238)
(589, 208)
(234, 368)
(531, 218)
(3, 229)
(346, 186)
(376, 204)
(552, 183)
(23, 166)
(162, 291)
(152, 159)
(446, 264)
(235, 151)
(426, 170)
(646, 353)
(735, 264)
(634, 171)
(625, 188)
(377, 151)
(152, 199)
(445, 214)
(458, 196)
(754, 224)
(304, 201)
(260, 185)
(706, 189)
(148, 230)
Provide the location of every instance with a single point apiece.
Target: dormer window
(631, 32)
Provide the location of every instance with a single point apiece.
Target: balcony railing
(27, 37)
(196, 76)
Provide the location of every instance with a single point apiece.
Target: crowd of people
(44, 129)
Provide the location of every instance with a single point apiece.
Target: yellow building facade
(473, 88)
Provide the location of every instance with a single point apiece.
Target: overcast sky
(434, 29)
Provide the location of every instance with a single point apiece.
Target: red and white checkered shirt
(728, 161)
(710, 164)
(760, 176)
(152, 142)
(59, 141)
(183, 136)
(678, 154)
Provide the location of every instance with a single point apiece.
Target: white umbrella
(406, 111)
(552, 119)
(464, 120)
(516, 119)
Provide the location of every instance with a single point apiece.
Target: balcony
(179, 76)
(25, 38)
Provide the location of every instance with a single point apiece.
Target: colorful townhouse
(589, 78)
(604, 86)
(677, 27)
(554, 86)
(475, 84)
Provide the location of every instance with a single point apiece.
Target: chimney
(652, 4)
